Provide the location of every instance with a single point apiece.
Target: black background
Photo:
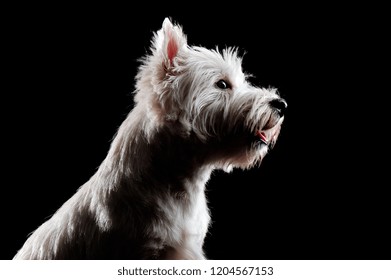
(321, 193)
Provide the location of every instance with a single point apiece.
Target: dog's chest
(189, 219)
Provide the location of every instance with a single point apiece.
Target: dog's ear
(159, 70)
(168, 42)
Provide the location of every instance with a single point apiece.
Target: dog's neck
(161, 160)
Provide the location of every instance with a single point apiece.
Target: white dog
(195, 112)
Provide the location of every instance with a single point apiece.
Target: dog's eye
(223, 84)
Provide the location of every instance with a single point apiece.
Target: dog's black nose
(279, 104)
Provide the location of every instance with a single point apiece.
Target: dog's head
(204, 94)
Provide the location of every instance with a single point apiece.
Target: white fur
(147, 199)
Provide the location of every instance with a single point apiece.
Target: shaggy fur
(195, 112)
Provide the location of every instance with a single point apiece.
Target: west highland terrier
(195, 112)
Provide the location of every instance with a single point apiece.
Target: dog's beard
(244, 146)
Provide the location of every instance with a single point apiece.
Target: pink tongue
(262, 136)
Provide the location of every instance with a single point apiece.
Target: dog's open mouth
(267, 134)
(261, 136)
